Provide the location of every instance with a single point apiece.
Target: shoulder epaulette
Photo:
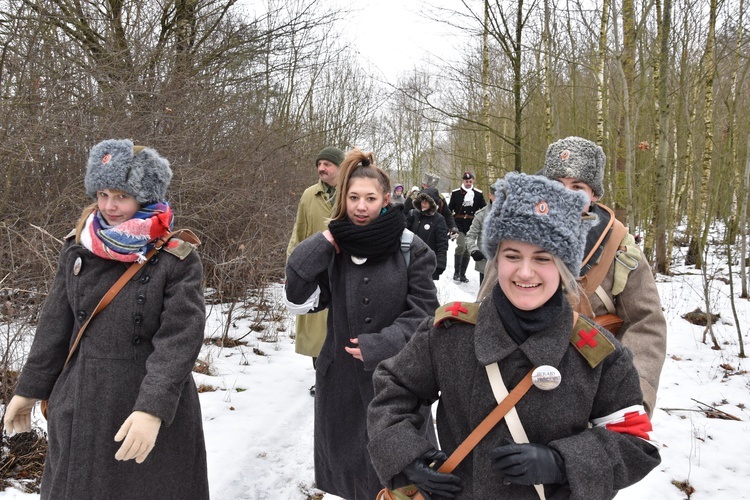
(590, 341)
(182, 243)
(71, 234)
(179, 248)
(477, 190)
(465, 312)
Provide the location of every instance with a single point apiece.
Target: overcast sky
(408, 37)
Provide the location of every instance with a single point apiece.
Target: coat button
(81, 315)
(137, 340)
(154, 261)
(137, 319)
(77, 266)
(145, 279)
(141, 299)
(366, 280)
(368, 320)
(365, 301)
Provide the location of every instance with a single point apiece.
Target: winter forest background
(241, 96)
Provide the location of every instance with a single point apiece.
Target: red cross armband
(632, 420)
(465, 312)
(588, 339)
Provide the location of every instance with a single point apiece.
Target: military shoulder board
(465, 312)
(590, 342)
(181, 243)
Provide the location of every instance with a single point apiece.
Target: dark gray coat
(447, 362)
(137, 354)
(381, 304)
(431, 228)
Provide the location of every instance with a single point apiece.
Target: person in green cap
(314, 209)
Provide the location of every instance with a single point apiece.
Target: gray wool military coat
(447, 362)
(136, 354)
(381, 304)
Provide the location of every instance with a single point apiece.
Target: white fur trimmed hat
(577, 158)
(536, 210)
(118, 164)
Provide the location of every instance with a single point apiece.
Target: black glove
(437, 273)
(477, 255)
(528, 464)
(430, 481)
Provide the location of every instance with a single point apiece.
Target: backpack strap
(406, 238)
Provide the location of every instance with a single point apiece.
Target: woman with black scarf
(377, 284)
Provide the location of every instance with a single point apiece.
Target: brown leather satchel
(611, 322)
(411, 492)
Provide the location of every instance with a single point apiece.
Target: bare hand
(329, 237)
(355, 351)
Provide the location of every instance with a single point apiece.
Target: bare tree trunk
(624, 158)
(547, 77)
(709, 66)
(743, 223)
(662, 178)
(517, 83)
(737, 171)
(490, 169)
(731, 299)
(602, 54)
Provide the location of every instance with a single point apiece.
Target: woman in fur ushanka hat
(124, 420)
(579, 432)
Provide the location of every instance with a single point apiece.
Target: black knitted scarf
(375, 241)
(521, 324)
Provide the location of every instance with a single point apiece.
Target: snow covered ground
(259, 420)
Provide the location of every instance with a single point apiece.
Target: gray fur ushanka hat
(430, 179)
(536, 210)
(576, 158)
(139, 171)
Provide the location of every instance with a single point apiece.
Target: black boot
(457, 268)
(464, 265)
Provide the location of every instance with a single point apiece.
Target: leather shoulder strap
(487, 424)
(603, 235)
(113, 291)
(591, 281)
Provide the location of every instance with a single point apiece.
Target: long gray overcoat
(381, 304)
(447, 362)
(137, 354)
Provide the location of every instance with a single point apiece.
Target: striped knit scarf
(131, 240)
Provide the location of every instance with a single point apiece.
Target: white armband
(632, 420)
(310, 304)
